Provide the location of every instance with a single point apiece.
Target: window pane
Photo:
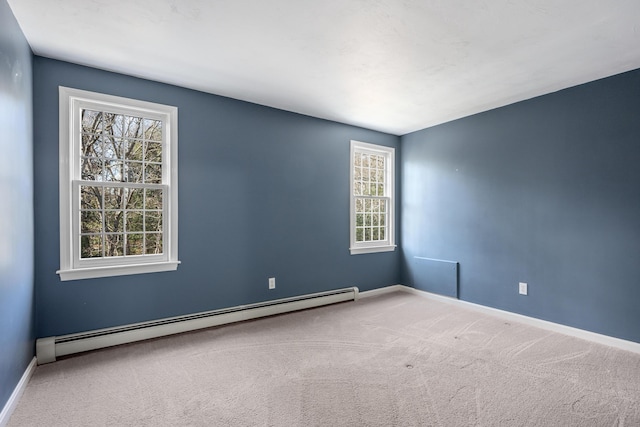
(90, 197)
(116, 125)
(357, 188)
(113, 148)
(153, 174)
(152, 130)
(91, 246)
(135, 198)
(374, 233)
(364, 189)
(153, 221)
(91, 169)
(91, 121)
(367, 220)
(113, 198)
(359, 205)
(367, 234)
(153, 243)
(365, 160)
(359, 234)
(359, 220)
(90, 222)
(357, 174)
(153, 152)
(135, 244)
(134, 127)
(113, 221)
(133, 149)
(113, 170)
(109, 123)
(382, 233)
(153, 199)
(114, 245)
(134, 221)
(375, 219)
(130, 127)
(91, 145)
(133, 172)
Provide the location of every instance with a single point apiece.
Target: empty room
(338, 213)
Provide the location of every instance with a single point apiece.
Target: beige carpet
(393, 360)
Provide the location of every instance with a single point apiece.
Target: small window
(372, 203)
(118, 186)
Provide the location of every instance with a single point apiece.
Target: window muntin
(118, 185)
(371, 198)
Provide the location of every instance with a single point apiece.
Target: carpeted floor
(393, 360)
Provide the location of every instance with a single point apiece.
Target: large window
(118, 186)
(372, 203)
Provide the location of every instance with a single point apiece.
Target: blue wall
(262, 193)
(16, 205)
(545, 191)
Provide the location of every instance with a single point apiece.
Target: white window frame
(388, 244)
(72, 267)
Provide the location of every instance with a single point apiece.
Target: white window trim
(372, 247)
(71, 101)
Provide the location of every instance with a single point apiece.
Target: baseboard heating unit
(47, 349)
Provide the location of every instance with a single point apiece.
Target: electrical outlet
(272, 282)
(522, 288)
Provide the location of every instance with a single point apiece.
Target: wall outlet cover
(522, 288)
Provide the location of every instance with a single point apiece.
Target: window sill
(372, 249)
(117, 270)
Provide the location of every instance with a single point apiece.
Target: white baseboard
(532, 321)
(11, 404)
(381, 291)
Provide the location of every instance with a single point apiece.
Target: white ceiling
(390, 65)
